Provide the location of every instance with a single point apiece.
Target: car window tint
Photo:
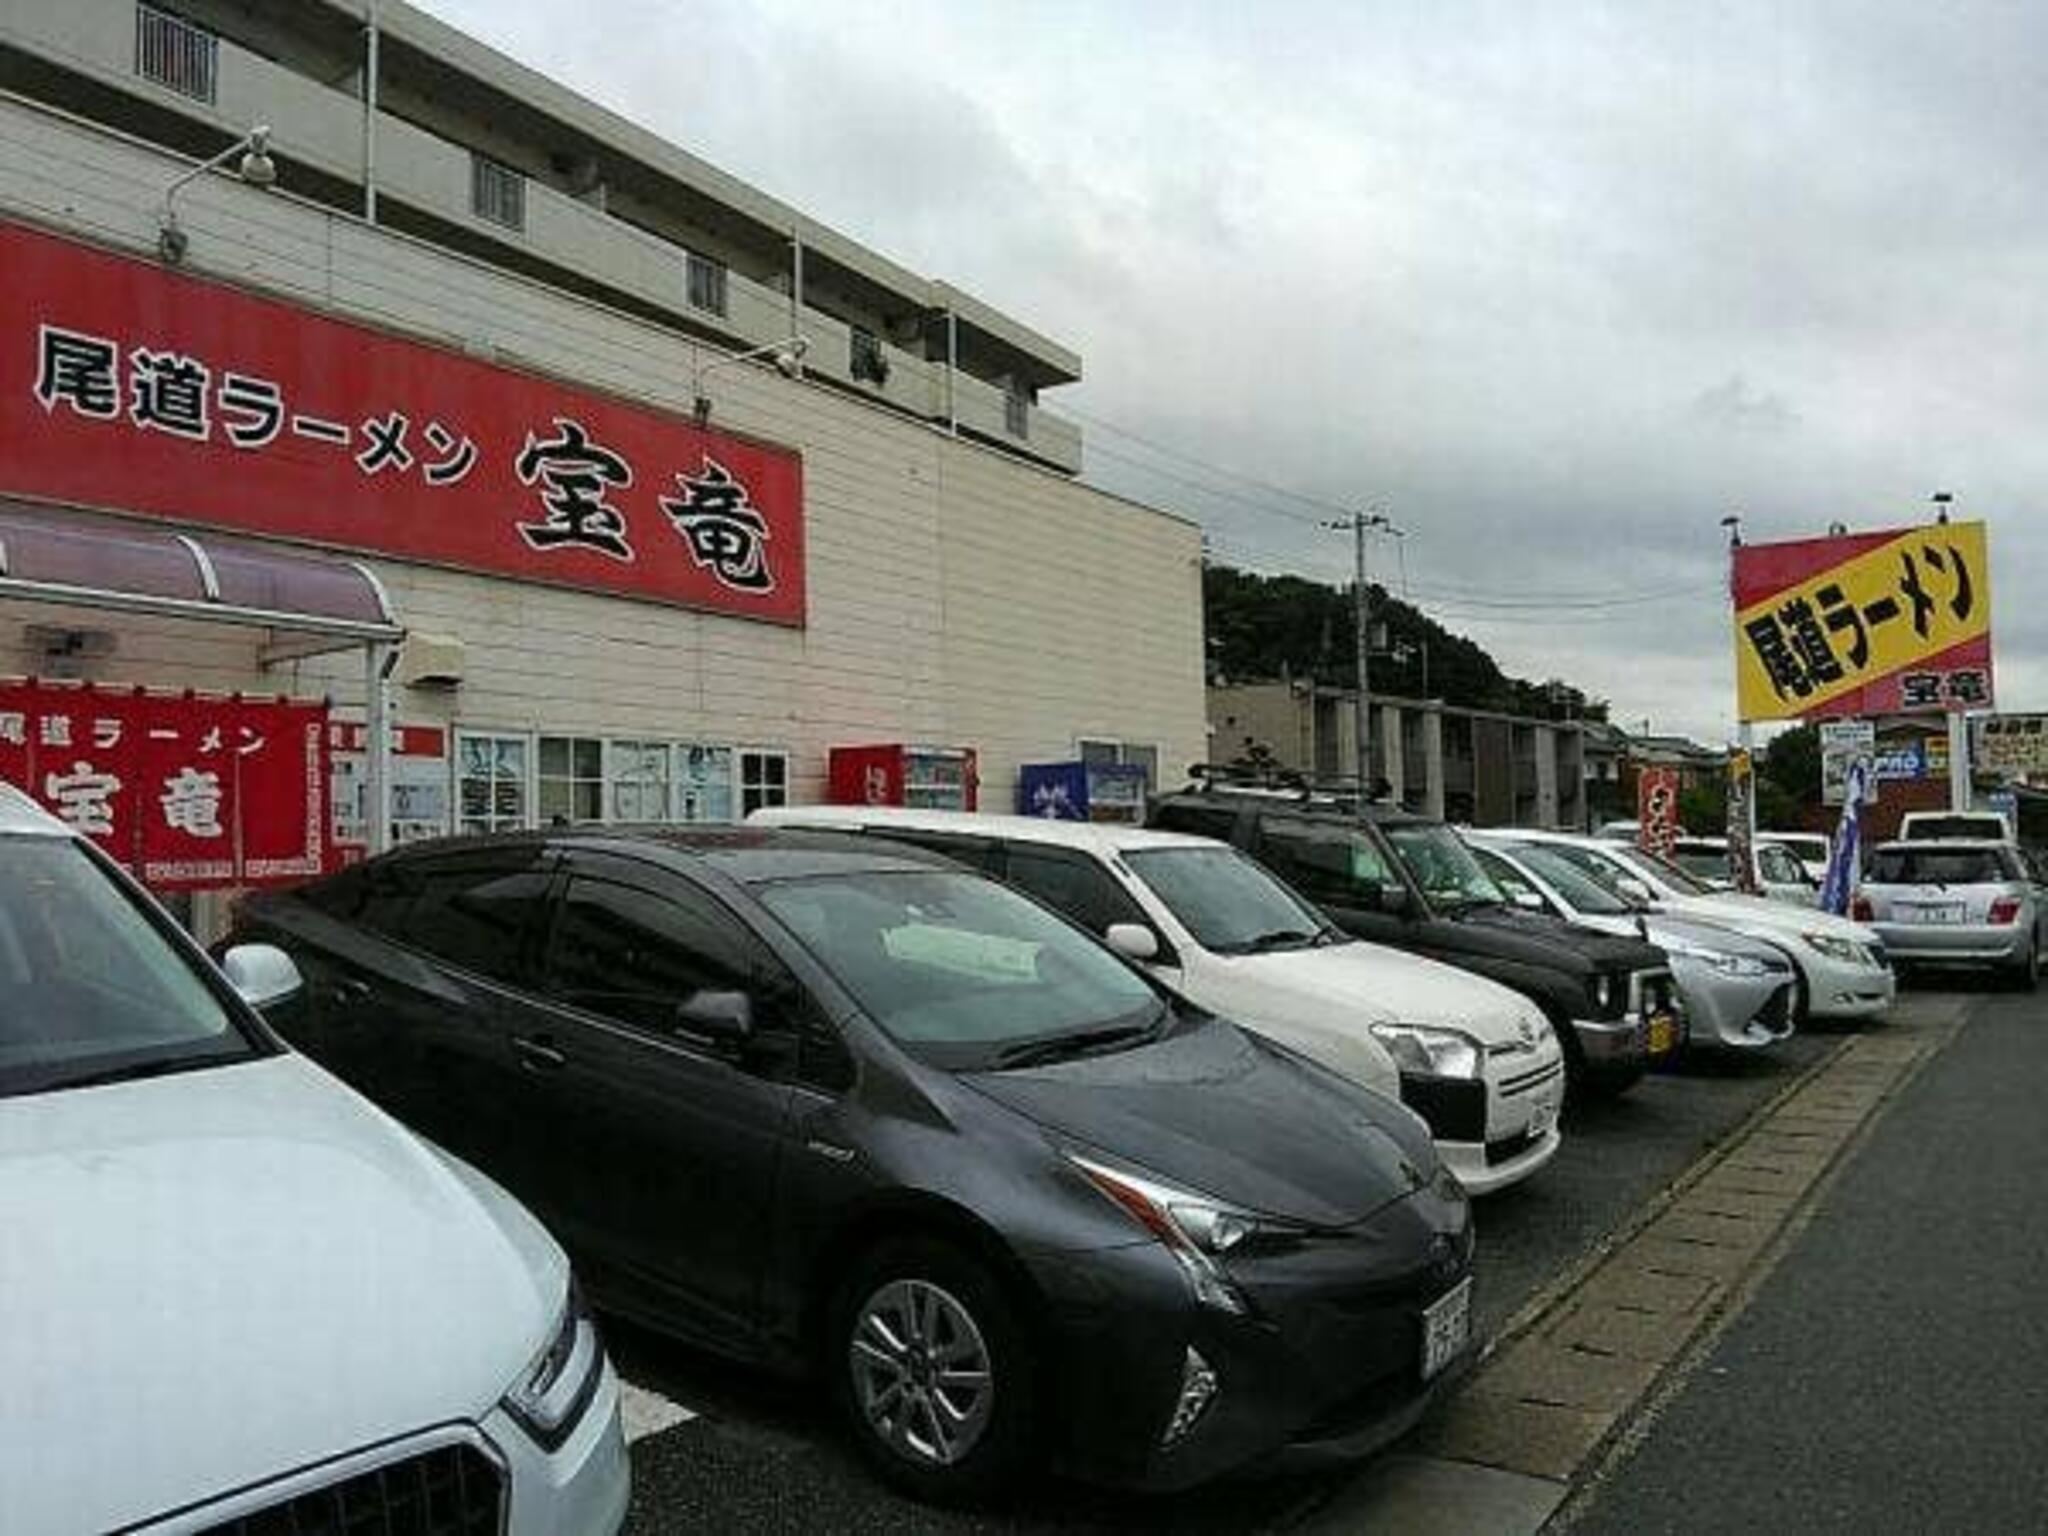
(1780, 866)
(1073, 884)
(479, 912)
(1330, 862)
(1217, 821)
(1936, 865)
(634, 954)
(977, 853)
(340, 895)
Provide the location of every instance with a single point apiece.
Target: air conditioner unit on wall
(56, 651)
(431, 661)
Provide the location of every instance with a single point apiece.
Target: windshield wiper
(1279, 938)
(1086, 1042)
(155, 1066)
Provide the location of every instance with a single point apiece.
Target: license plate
(1934, 912)
(1446, 1322)
(1663, 1034)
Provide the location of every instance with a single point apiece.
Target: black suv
(1410, 882)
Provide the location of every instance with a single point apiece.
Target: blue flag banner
(1846, 860)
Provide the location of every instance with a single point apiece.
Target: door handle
(539, 1053)
(348, 992)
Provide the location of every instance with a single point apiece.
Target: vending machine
(921, 777)
(1080, 791)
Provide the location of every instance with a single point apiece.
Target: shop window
(571, 779)
(176, 54)
(764, 780)
(703, 782)
(497, 193)
(704, 283)
(1098, 752)
(639, 780)
(491, 781)
(868, 361)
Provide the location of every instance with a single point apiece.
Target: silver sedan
(1738, 991)
(1962, 903)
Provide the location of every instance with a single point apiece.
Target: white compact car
(1478, 1062)
(1737, 989)
(1843, 970)
(233, 1295)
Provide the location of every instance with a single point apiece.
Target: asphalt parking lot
(762, 1456)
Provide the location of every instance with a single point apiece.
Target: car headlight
(550, 1395)
(1429, 1051)
(1194, 1228)
(1848, 951)
(1718, 959)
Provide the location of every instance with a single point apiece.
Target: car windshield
(1929, 828)
(1229, 904)
(1661, 871)
(1584, 890)
(963, 972)
(1437, 859)
(1936, 865)
(1704, 860)
(93, 990)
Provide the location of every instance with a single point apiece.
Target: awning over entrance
(308, 602)
(54, 555)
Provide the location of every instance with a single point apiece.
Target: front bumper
(1955, 943)
(1647, 1035)
(1839, 990)
(1324, 1364)
(1744, 1013)
(583, 1486)
(1495, 1130)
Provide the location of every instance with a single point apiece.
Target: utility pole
(1360, 524)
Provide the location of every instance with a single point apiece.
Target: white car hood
(1761, 912)
(1322, 1002)
(214, 1277)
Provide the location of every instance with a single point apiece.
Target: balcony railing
(174, 53)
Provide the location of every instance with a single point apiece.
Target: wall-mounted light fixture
(254, 167)
(787, 355)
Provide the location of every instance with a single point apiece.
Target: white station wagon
(233, 1295)
(1478, 1062)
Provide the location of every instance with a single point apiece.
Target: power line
(1317, 502)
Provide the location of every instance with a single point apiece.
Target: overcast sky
(1556, 285)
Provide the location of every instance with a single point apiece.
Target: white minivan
(1478, 1062)
(234, 1295)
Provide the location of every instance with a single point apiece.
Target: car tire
(909, 1313)
(2026, 976)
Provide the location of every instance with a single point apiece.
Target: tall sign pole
(1741, 786)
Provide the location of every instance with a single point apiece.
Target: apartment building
(638, 490)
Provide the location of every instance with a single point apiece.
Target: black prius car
(829, 1104)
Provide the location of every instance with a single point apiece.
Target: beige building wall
(957, 596)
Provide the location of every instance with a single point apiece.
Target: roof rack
(1276, 780)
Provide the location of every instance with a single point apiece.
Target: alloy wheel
(921, 1372)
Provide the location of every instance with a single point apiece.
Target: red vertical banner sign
(1657, 809)
(191, 792)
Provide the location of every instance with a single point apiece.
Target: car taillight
(1860, 909)
(2005, 909)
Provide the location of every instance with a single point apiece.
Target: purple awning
(54, 554)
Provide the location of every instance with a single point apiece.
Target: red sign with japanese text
(1864, 624)
(127, 386)
(1657, 809)
(189, 791)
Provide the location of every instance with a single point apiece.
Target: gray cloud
(1560, 285)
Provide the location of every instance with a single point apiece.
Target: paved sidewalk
(1887, 1374)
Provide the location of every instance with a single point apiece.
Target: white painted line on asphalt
(645, 1413)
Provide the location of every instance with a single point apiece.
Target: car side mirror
(721, 1016)
(1634, 889)
(1134, 941)
(262, 974)
(1529, 901)
(1395, 900)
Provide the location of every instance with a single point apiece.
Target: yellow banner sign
(1858, 632)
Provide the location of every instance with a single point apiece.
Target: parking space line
(643, 1412)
